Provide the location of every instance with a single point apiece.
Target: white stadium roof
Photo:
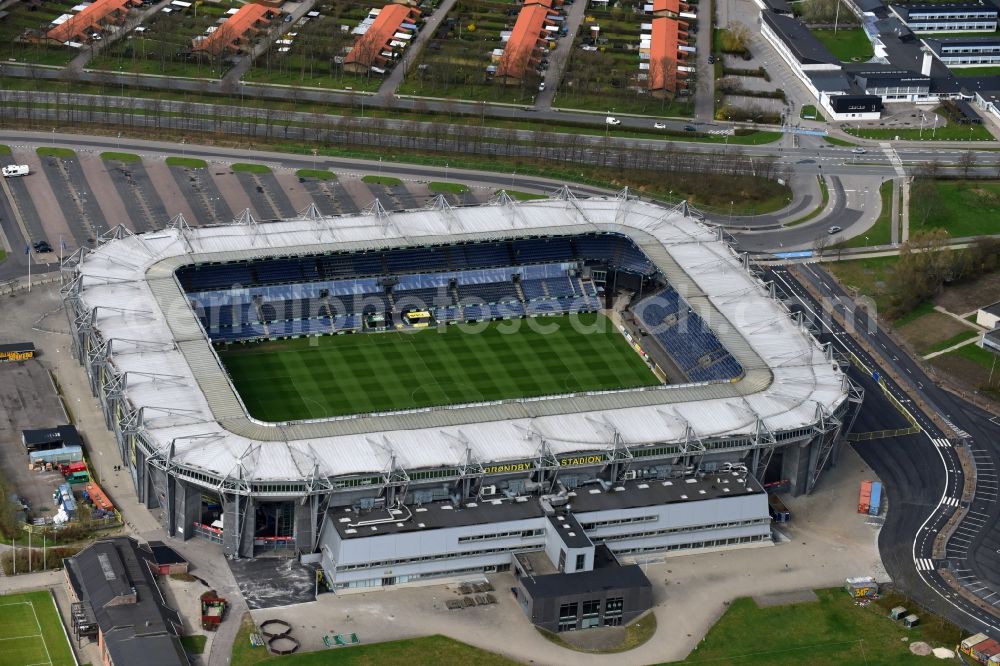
(174, 374)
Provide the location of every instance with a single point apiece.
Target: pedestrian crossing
(958, 431)
(950, 501)
(941, 443)
(925, 564)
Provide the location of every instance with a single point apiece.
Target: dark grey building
(966, 51)
(848, 104)
(115, 596)
(51, 438)
(606, 595)
(948, 17)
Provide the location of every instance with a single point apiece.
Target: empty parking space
(202, 194)
(48, 208)
(296, 192)
(330, 197)
(104, 190)
(161, 179)
(359, 192)
(140, 198)
(232, 192)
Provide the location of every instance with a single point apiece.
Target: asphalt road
(922, 473)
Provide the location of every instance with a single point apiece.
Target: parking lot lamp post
(731, 203)
(483, 121)
(446, 172)
(867, 241)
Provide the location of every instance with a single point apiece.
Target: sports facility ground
(308, 378)
(31, 633)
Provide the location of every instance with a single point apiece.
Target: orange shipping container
(97, 496)
(865, 499)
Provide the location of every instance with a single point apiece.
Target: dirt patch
(970, 296)
(962, 369)
(920, 648)
(930, 329)
(785, 598)
(599, 639)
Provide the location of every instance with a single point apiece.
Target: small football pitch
(308, 378)
(31, 632)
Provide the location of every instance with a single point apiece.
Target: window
(613, 608)
(591, 613)
(567, 616)
(562, 561)
(581, 562)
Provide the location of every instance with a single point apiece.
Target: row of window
(399, 580)
(433, 558)
(522, 534)
(649, 518)
(589, 613)
(711, 543)
(690, 528)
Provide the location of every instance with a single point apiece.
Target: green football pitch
(31, 632)
(308, 378)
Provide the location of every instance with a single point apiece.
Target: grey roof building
(112, 586)
(799, 40)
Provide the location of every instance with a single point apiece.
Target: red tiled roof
(87, 20)
(234, 28)
(524, 37)
(663, 54)
(368, 47)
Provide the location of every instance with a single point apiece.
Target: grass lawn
(48, 151)
(385, 181)
(868, 276)
(320, 174)
(810, 112)
(128, 158)
(976, 71)
(448, 188)
(962, 207)
(32, 632)
(881, 233)
(194, 644)
(251, 168)
(426, 651)
(187, 162)
(834, 141)
(829, 632)
(851, 45)
(4, 150)
(523, 196)
(942, 133)
(636, 633)
(950, 342)
(3, 255)
(365, 372)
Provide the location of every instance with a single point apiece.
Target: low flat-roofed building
(110, 584)
(968, 51)
(948, 17)
(51, 438)
(989, 316)
(440, 539)
(853, 107)
(607, 594)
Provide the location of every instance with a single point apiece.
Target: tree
(966, 162)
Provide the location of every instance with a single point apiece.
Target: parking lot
(28, 400)
(72, 199)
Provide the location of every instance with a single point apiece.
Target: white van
(611, 120)
(14, 170)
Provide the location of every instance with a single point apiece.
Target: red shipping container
(865, 498)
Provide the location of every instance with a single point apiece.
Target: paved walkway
(704, 93)
(391, 84)
(560, 57)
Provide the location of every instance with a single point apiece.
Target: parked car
(711, 60)
(541, 86)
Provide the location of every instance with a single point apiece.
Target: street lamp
(866, 241)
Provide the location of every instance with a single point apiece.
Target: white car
(611, 120)
(659, 126)
(833, 230)
(541, 86)
(859, 151)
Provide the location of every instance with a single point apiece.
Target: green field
(31, 631)
(962, 207)
(828, 632)
(849, 45)
(308, 378)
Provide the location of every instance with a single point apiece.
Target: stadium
(430, 393)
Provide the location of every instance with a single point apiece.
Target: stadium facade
(388, 498)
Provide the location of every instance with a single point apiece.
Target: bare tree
(966, 162)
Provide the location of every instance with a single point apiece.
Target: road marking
(924, 564)
(949, 501)
(941, 443)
